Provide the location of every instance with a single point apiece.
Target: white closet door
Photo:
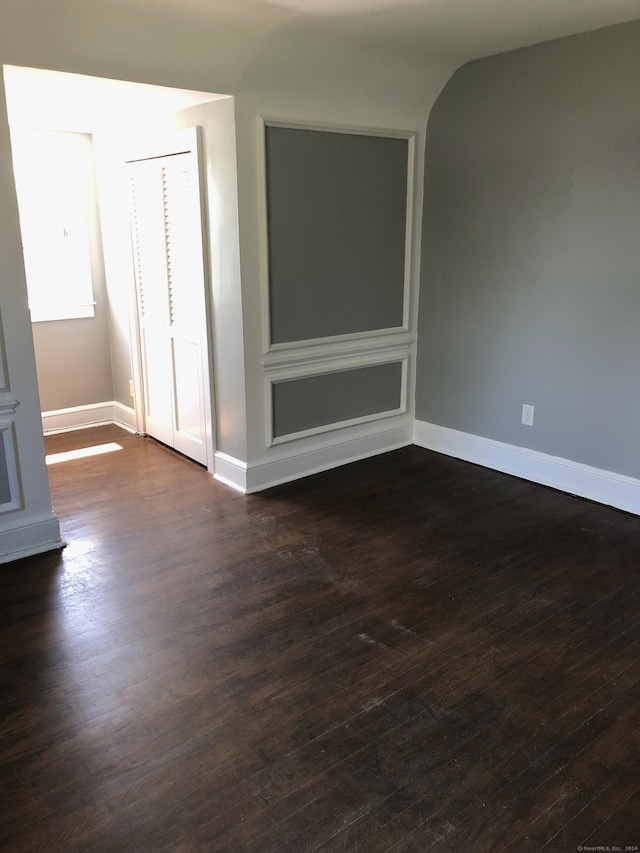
(167, 243)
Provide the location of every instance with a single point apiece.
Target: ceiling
(294, 38)
(447, 31)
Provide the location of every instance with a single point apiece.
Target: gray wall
(73, 357)
(337, 209)
(530, 286)
(313, 401)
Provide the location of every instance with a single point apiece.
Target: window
(54, 175)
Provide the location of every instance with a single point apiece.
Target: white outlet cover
(527, 414)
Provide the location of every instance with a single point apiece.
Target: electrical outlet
(527, 414)
(131, 387)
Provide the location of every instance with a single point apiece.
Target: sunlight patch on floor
(82, 453)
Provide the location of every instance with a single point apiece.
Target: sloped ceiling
(447, 31)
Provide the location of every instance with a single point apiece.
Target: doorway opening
(97, 362)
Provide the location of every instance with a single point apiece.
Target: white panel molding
(316, 350)
(332, 127)
(605, 487)
(296, 455)
(408, 234)
(85, 417)
(230, 471)
(8, 438)
(334, 365)
(34, 536)
(287, 466)
(8, 407)
(337, 343)
(263, 235)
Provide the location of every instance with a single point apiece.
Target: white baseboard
(32, 536)
(230, 471)
(286, 467)
(84, 417)
(124, 416)
(604, 487)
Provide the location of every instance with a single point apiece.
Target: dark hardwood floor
(409, 653)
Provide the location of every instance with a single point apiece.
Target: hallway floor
(409, 653)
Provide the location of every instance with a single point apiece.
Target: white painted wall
(216, 119)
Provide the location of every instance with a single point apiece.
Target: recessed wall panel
(315, 401)
(5, 487)
(4, 384)
(336, 217)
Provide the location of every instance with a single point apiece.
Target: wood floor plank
(410, 653)
(620, 828)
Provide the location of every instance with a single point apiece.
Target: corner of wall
(605, 487)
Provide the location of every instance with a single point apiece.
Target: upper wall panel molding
(336, 226)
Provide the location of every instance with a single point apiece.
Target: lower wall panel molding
(605, 487)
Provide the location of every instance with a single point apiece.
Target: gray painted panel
(314, 401)
(337, 223)
(5, 489)
(530, 289)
